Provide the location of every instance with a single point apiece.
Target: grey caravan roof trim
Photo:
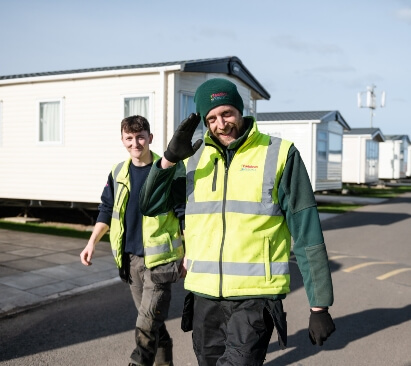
(320, 116)
(375, 133)
(398, 137)
(230, 65)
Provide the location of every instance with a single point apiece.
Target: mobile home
(361, 155)
(409, 162)
(60, 131)
(393, 162)
(318, 136)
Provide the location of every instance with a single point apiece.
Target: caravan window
(187, 107)
(372, 150)
(250, 109)
(50, 121)
(137, 105)
(335, 148)
(322, 143)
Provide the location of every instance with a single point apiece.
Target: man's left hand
(320, 326)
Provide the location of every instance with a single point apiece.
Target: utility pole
(370, 100)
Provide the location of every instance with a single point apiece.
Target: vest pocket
(214, 184)
(266, 251)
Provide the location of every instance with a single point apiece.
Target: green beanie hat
(216, 92)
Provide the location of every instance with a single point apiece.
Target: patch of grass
(387, 191)
(377, 191)
(335, 207)
(51, 230)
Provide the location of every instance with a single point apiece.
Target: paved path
(38, 268)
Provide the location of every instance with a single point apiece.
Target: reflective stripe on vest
(163, 248)
(116, 213)
(265, 207)
(238, 269)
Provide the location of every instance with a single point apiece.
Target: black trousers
(229, 332)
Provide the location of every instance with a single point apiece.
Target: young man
(145, 249)
(247, 193)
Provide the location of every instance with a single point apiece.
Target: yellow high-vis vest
(161, 234)
(237, 239)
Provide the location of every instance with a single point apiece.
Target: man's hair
(134, 124)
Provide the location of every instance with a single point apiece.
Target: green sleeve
(298, 203)
(163, 189)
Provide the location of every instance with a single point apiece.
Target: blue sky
(309, 55)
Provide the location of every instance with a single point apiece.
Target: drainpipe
(313, 149)
(162, 104)
(360, 160)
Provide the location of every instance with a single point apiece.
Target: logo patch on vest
(248, 167)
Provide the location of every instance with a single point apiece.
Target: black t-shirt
(133, 220)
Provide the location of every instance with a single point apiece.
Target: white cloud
(404, 15)
(332, 69)
(219, 34)
(292, 43)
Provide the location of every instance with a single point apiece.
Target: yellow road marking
(353, 268)
(393, 273)
(344, 256)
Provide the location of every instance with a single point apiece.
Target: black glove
(188, 313)
(320, 326)
(180, 147)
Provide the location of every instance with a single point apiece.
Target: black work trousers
(230, 332)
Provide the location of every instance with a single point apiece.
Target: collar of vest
(123, 174)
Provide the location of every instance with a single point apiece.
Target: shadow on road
(358, 218)
(77, 319)
(349, 329)
(93, 315)
(361, 218)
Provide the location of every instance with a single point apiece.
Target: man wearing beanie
(247, 194)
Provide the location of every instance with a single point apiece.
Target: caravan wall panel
(77, 169)
(298, 133)
(352, 159)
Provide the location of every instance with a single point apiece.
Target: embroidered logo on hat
(218, 96)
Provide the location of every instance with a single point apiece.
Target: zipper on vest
(224, 231)
(214, 185)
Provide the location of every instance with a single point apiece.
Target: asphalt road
(370, 259)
